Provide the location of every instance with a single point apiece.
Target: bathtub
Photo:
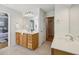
(64, 44)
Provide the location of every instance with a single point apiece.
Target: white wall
(14, 16)
(61, 20)
(50, 13)
(42, 27)
(74, 24)
(62, 25)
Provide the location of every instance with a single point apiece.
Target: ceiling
(22, 7)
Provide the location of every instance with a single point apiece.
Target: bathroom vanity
(30, 31)
(27, 40)
(61, 46)
(27, 35)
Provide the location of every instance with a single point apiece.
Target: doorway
(49, 28)
(3, 30)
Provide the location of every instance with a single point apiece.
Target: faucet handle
(70, 37)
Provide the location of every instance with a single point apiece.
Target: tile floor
(45, 49)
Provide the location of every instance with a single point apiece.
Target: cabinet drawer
(29, 43)
(29, 40)
(30, 46)
(29, 35)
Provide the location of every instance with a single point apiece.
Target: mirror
(32, 25)
(29, 24)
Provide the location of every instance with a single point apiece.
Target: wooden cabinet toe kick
(59, 52)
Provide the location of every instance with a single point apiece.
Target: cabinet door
(30, 41)
(21, 39)
(17, 38)
(34, 41)
(25, 40)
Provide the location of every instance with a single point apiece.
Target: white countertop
(24, 31)
(66, 45)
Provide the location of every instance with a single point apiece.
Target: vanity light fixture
(29, 14)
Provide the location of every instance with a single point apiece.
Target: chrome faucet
(71, 37)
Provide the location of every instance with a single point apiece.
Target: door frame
(47, 25)
(8, 26)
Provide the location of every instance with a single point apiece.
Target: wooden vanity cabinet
(33, 41)
(17, 38)
(22, 39)
(27, 40)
